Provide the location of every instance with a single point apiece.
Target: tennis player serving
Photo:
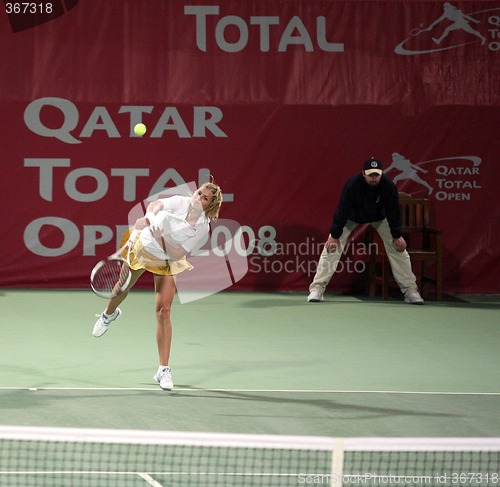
(171, 229)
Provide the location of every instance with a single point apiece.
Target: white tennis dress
(148, 253)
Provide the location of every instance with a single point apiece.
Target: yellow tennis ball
(140, 129)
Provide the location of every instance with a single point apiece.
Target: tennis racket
(110, 277)
(417, 31)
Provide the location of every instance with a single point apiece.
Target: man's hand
(332, 244)
(399, 244)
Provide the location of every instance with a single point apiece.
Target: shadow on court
(311, 413)
(256, 363)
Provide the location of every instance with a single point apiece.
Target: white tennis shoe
(102, 324)
(315, 296)
(413, 297)
(164, 377)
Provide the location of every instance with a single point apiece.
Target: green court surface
(255, 363)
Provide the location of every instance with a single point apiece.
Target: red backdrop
(280, 101)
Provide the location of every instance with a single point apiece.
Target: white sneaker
(164, 377)
(315, 296)
(413, 297)
(102, 324)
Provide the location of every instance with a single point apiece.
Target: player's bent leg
(112, 311)
(102, 324)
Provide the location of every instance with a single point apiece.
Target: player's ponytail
(212, 210)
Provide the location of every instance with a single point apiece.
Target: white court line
(150, 480)
(277, 391)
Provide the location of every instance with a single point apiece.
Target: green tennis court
(255, 363)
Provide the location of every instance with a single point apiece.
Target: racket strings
(110, 278)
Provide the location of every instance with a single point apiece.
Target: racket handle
(131, 240)
(133, 235)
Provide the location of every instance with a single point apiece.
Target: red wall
(280, 101)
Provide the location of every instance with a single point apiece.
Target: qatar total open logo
(454, 178)
(453, 29)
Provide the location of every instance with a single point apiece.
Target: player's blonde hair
(212, 210)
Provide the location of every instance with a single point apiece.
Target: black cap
(372, 165)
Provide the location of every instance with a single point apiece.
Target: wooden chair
(425, 246)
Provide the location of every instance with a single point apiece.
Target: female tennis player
(171, 228)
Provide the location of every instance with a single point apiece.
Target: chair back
(425, 246)
(414, 213)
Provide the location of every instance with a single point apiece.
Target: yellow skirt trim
(140, 258)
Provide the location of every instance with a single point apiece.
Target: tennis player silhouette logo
(407, 171)
(431, 36)
(453, 173)
(459, 21)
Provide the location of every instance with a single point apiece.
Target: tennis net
(98, 457)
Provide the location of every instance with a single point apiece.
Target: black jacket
(362, 203)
